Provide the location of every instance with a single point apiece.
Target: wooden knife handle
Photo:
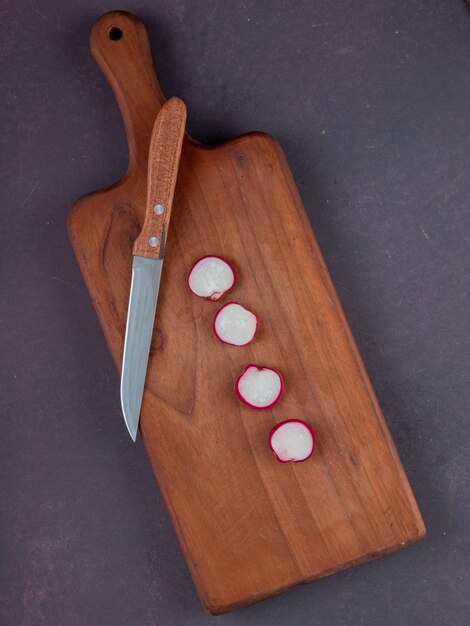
(163, 161)
(120, 46)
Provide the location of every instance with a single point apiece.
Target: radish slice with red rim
(234, 324)
(210, 277)
(292, 440)
(259, 387)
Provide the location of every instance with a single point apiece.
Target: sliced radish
(235, 325)
(260, 388)
(210, 277)
(292, 440)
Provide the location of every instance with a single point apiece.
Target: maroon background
(371, 103)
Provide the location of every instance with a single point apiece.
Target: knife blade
(149, 248)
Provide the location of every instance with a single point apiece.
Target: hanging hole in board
(115, 33)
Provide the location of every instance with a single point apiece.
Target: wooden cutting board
(249, 526)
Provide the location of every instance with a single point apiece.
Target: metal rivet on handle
(159, 209)
(153, 241)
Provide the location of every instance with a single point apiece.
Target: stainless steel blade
(145, 283)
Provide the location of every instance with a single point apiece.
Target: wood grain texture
(164, 158)
(249, 527)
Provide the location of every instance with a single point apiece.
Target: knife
(148, 251)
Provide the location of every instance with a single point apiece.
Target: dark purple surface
(371, 103)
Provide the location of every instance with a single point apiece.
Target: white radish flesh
(235, 325)
(210, 277)
(292, 440)
(259, 388)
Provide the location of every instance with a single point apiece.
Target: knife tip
(132, 430)
(132, 424)
(133, 436)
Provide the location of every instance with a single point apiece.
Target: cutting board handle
(120, 45)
